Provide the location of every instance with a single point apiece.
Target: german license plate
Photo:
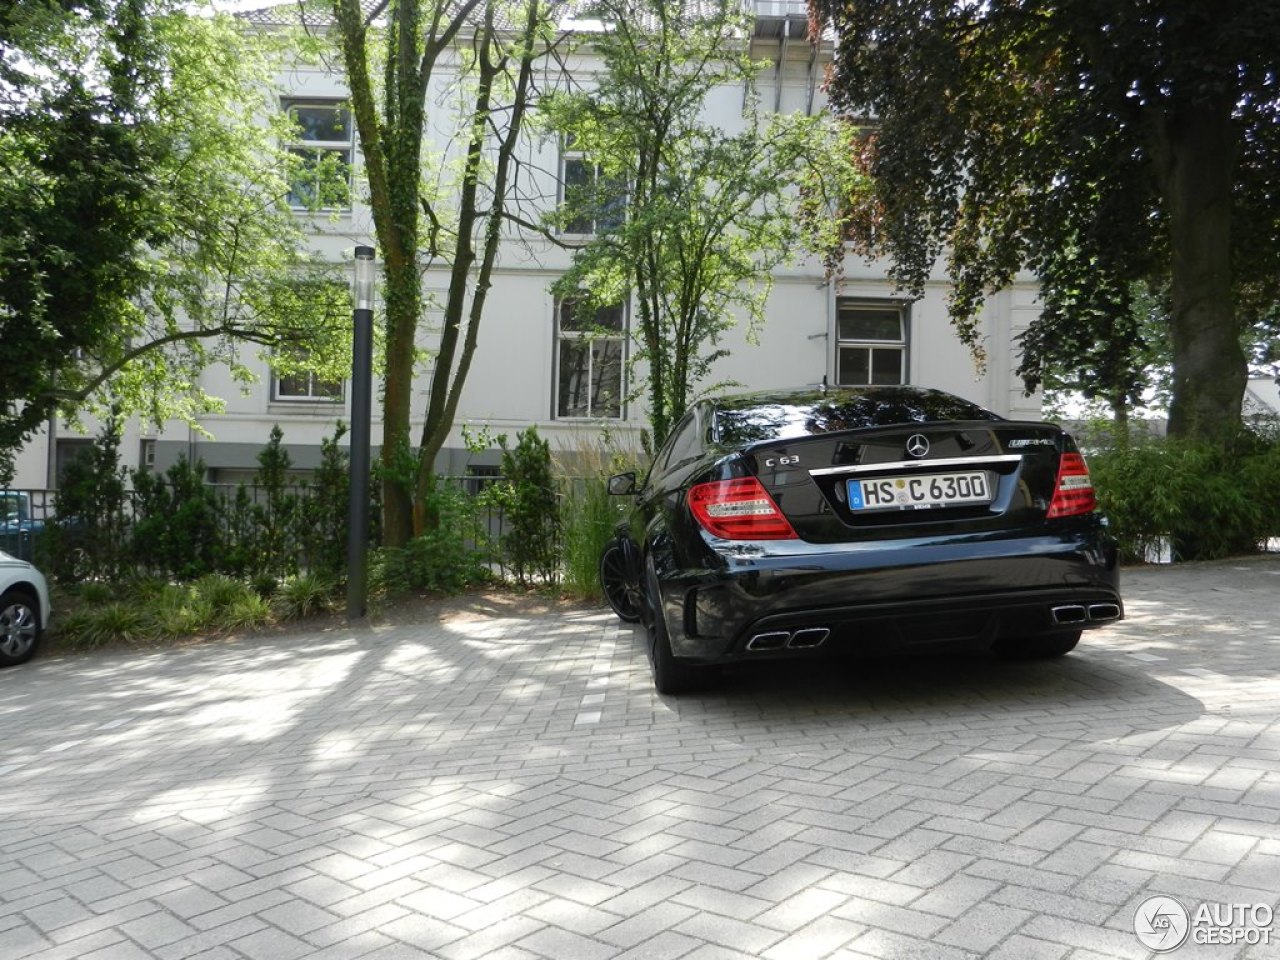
(923, 492)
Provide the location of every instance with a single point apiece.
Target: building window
(321, 174)
(303, 384)
(594, 202)
(871, 343)
(69, 451)
(590, 354)
(146, 456)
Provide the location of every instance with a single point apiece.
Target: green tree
(144, 224)
(1097, 144)
(487, 50)
(709, 212)
(531, 506)
(277, 510)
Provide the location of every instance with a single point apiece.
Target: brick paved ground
(512, 788)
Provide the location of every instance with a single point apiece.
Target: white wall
(511, 384)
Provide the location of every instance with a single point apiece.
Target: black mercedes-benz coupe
(858, 521)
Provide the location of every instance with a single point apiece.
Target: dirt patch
(482, 604)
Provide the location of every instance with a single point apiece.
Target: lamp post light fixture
(361, 415)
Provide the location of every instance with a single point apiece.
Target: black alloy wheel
(670, 674)
(622, 594)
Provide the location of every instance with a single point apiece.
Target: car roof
(817, 394)
(782, 414)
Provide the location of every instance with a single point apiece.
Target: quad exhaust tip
(774, 640)
(1078, 613)
(805, 639)
(808, 638)
(1070, 613)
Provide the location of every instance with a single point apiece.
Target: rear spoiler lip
(917, 465)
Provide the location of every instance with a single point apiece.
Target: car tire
(19, 627)
(671, 675)
(623, 596)
(1045, 646)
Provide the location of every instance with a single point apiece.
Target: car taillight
(739, 510)
(1073, 493)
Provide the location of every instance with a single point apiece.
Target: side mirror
(622, 485)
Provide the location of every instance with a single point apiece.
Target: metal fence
(26, 514)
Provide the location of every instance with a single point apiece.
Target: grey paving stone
(423, 791)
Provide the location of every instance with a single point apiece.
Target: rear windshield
(786, 419)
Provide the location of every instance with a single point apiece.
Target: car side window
(668, 454)
(687, 440)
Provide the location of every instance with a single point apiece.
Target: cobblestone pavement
(511, 788)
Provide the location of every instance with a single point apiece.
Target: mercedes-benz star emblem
(917, 445)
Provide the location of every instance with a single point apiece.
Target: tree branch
(249, 334)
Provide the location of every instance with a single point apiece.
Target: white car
(24, 609)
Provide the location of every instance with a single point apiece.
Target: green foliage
(323, 514)
(708, 213)
(1206, 500)
(304, 595)
(527, 493)
(1100, 147)
(119, 622)
(78, 631)
(150, 610)
(590, 516)
(220, 591)
(448, 557)
(178, 612)
(176, 526)
(418, 218)
(239, 549)
(276, 518)
(247, 612)
(144, 227)
(89, 534)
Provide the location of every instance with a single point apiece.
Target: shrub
(117, 622)
(590, 516)
(221, 592)
(531, 542)
(96, 593)
(446, 558)
(76, 630)
(177, 529)
(304, 595)
(277, 518)
(89, 535)
(246, 612)
(324, 512)
(265, 585)
(180, 611)
(1207, 501)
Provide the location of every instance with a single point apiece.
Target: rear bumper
(875, 598)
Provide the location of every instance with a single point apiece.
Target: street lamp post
(361, 413)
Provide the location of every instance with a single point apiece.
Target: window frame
(587, 337)
(311, 396)
(569, 154)
(901, 345)
(299, 144)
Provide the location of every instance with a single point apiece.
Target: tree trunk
(403, 299)
(1197, 144)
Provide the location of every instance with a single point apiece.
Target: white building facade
(532, 368)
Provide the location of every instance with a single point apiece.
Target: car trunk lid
(911, 479)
